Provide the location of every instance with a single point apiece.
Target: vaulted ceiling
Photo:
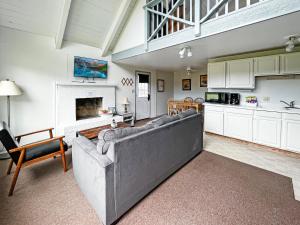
(34, 16)
(88, 22)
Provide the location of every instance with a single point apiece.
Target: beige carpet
(209, 190)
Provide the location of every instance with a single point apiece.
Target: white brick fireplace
(65, 106)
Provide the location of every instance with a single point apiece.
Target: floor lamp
(8, 88)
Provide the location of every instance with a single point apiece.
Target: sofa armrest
(91, 149)
(94, 174)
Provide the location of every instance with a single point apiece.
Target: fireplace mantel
(96, 84)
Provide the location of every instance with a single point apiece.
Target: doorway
(142, 95)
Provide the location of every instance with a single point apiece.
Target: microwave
(217, 97)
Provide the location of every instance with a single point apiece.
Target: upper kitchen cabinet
(266, 65)
(216, 75)
(290, 63)
(240, 74)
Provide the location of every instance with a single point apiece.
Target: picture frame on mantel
(203, 80)
(160, 85)
(186, 84)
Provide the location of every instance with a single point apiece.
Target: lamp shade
(9, 88)
(125, 101)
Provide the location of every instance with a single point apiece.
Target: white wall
(133, 33)
(196, 90)
(161, 105)
(35, 65)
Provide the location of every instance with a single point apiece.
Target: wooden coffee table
(92, 133)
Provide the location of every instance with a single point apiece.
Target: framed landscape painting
(186, 84)
(90, 68)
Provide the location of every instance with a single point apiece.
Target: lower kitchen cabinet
(290, 139)
(213, 120)
(270, 128)
(267, 128)
(238, 123)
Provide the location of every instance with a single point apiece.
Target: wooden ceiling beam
(117, 25)
(62, 23)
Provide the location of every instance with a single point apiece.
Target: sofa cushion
(187, 113)
(105, 137)
(163, 120)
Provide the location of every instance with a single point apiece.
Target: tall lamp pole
(8, 88)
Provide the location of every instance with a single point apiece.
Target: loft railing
(164, 17)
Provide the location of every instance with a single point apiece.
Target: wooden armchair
(31, 153)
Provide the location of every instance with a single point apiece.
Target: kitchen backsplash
(270, 90)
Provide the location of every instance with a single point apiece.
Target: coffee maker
(234, 98)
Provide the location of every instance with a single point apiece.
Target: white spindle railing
(164, 17)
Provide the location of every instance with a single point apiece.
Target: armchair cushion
(8, 141)
(9, 137)
(41, 150)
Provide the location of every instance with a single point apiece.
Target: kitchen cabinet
(271, 128)
(213, 119)
(238, 123)
(267, 128)
(266, 65)
(239, 74)
(290, 63)
(290, 139)
(216, 75)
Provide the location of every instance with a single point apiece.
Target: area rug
(209, 190)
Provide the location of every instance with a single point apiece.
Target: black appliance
(234, 99)
(217, 97)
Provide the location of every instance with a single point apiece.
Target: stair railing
(164, 17)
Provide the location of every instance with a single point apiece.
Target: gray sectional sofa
(114, 176)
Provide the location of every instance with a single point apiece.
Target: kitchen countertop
(271, 108)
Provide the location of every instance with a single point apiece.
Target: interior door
(143, 97)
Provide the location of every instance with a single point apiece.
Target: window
(143, 86)
(143, 90)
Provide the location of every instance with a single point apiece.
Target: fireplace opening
(88, 107)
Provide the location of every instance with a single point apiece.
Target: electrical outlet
(266, 99)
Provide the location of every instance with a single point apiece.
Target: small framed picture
(160, 85)
(203, 80)
(186, 84)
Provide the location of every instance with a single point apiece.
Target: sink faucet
(289, 105)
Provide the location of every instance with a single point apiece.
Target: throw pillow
(107, 136)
